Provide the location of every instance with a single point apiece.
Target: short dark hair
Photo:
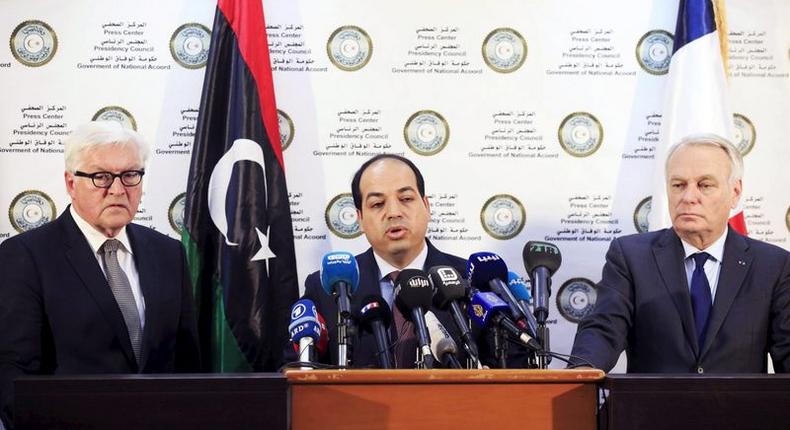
(357, 194)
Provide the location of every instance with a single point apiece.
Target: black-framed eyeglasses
(129, 178)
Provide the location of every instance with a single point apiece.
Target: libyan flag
(237, 225)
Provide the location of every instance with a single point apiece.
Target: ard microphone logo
(298, 311)
(419, 283)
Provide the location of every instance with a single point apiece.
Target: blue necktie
(701, 301)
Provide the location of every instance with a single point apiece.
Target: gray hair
(712, 140)
(97, 133)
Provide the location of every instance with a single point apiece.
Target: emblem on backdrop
(33, 43)
(504, 50)
(31, 209)
(175, 213)
(580, 134)
(117, 114)
(642, 214)
(503, 216)
(745, 134)
(349, 48)
(576, 299)
(189, 45)
(286, 127)
(654, 51)
(426, 132)
(341, 217)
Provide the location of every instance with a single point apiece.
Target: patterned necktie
(405, 347)
(701, 301)
(122, 290)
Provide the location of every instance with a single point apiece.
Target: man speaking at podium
(393, 212)
(697, 297)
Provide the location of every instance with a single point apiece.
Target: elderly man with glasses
(91, 292)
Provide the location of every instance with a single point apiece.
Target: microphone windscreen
(374, 307)
(483, 306)
(518, 286)
(339, 266)
(482, 267)
(447, 284)
(541, 254)
(412, 290)
(303, 321)
(441, 340)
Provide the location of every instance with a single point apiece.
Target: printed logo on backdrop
(576, 299)
(349, 48)
(654, 51)
(117, 114)
(580, 134)
(189, 45)
(33, 43)
(504, 50)
(341, 217)
(503, 216)
(175, 213)
(642, 214)
(286, 127)
(426, 132)
(745, 135)
(31, 209)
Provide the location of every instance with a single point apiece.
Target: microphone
(541, 259)
(488, 272)
(413, 294)
(305, 329)
(487, 309)
(442, 344)
(375, 317)
(520, 290)
(340, 279)
(451, 289)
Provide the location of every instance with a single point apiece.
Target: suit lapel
(148, 274)
(735, 263)
(82, 259)
(669, 256)
(369, 282)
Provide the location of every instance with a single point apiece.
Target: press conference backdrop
(530, 120)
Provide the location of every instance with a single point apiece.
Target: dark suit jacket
(59, 316)
(644, 307)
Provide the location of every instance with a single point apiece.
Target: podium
(696, 402)
(442, 398)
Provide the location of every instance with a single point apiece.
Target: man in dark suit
(90, 292)
(393, 212)
(698, 297)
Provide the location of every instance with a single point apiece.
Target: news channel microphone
(487, 310)
(443, 346)
(375, 317)
(413, 295)
(340, 279)
(488, 272)
(541, 259)
(305, 329)
(451, 292)
(520, 290)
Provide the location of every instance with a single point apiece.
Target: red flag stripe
(246, 19)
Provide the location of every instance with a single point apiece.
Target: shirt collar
(716, 249)
(386, 268)
(95, 238)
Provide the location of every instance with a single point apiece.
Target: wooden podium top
(443, 376)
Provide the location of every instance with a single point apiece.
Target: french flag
(696, 95)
